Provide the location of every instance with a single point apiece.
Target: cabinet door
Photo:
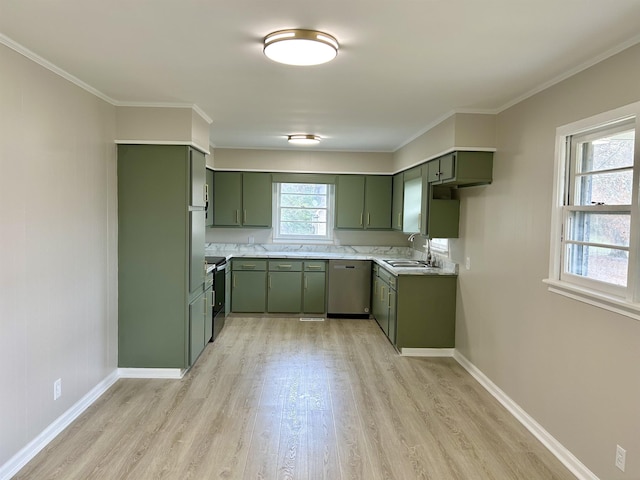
(447, 167)
(256, 199)
(393, 319)
(285, 292)
(227, 199)
(378, 202)
(196, 250)
(197, 313)
(314, 292)
(209, 198)
(210, 300)
(397, 201)
(198, 178)
(350, 201)
(248, 292)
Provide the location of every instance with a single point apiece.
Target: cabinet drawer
(387, 278)
(248, 264)
(285, 265)
(315, 266)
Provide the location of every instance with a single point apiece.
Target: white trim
(174, 373)
(570, 73)
(427, 352)
(13, 45)
(192, 106)
(554, 446)
(362, 172)
(163, 142)
(27, 453)
(597, 299)
(53, 68)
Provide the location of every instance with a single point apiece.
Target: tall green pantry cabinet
(161, 219)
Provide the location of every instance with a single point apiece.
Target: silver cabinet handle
(314, 267)
(244, 216)
(306, 283)
(368, 218)
(237, 216)
(206, 193)
(361, 216)
(269, 281)
(400, 219)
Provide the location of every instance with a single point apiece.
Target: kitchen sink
(409, 264)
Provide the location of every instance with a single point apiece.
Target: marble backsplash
(223, 249)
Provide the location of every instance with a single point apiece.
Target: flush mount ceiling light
(300, 47)
(301, 139)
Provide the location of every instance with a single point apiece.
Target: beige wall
(575, 368)
(458, 131)
(58, 247)
(302, 161)
(162, 125)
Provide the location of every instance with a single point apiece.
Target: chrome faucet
(412, 236)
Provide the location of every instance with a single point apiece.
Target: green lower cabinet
(314, 292)
(426, 311)
(248, 291)
(393, 316)
(285, 292)
(197, 314)
(210, 301)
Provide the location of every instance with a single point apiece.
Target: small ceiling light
(301, 139)
(300, 47)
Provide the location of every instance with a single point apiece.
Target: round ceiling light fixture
(300, 47)
(304, 139)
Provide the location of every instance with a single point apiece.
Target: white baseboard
(554, 446)
(21, 458)
(173, 373)
(427, 352)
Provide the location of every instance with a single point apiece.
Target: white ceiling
(403, 64)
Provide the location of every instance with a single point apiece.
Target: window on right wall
(596, 219)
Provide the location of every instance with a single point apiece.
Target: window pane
(303, 210)
(302, 228)
(293, 200)
(597, 263)
(607, 152)
(305, 188)
(605, 188)
(303, 215)
(607, 228)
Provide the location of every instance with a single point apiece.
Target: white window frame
(623, 300)
(278, 237)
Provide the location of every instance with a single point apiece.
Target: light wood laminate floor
(277, 398)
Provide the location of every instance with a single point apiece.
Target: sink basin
(409, 264)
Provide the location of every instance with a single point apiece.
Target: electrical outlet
(621, 457)
(57, 389)
(467, 263)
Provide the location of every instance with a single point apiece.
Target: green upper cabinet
(461, 169)
(242, 199)
(440, 212)
(209, 203)
(377, 198)
(350, 201)
(397, 201)
(256, 199)
(412, 205)
(363, 202)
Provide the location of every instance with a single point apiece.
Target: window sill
(597, 299)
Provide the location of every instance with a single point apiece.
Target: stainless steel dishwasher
(349, 288)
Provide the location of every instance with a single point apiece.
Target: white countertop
(447, 269)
